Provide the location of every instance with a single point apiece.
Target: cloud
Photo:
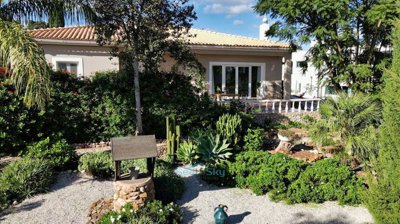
(238, 22)
(230, 7)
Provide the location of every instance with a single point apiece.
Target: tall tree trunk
(139, 124)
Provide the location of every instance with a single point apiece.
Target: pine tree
(383, 196)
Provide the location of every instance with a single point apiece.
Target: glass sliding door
(243, 79)
(255, 81)
(217, 79)
(243, 82)
(230, 80)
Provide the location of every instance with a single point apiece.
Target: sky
(228, 16)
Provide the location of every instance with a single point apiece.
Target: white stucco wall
(305, 82)
(93, 58)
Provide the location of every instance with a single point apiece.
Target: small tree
(383, 196)
(143, 31)
(350, 36)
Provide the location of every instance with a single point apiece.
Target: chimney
(264, 27)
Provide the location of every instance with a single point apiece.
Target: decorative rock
(99, 208)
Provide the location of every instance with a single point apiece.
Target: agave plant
(213, 149)
(187, 152)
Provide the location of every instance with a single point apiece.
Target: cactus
(229, 127)
(173, 136)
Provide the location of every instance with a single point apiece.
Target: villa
(235, 65)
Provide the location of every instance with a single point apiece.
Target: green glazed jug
(220, 215)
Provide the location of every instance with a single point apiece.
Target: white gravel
(70, 198)
(199, 202)
(67, 202)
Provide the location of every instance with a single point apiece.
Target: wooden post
(293, 106)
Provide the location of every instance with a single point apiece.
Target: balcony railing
(280, 105)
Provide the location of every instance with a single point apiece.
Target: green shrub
(254, 139)
(230, 127)
(58, 154)
(214, 150)
(169, 186)
(151, 212)
(267, 173)
(98, 164)
(382, 197)
(24, 178)
(187, 152)
(326, 180)
(247, 163)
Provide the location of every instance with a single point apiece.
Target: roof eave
(267, 49)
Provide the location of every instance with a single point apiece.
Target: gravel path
(70, 198)
(244, 207)
(67, 202)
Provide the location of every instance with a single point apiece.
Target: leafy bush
(98, 164)
(213, 150)
(58, 154)
(24, 178)
(382, 197)
(247, 163)
(270, 173)
(169, 186)
(326, 180)
(254, 139)
(295, 181)
(151, 212)
(187, 152)
(230, 127)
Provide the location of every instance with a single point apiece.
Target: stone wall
(284, 118)
(136, 192)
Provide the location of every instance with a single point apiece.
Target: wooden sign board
(133, 147)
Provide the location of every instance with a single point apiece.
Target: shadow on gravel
(233, 219)
(304, 218)
(194, 185)
(21, 208)
(66, 179)
(189, 214)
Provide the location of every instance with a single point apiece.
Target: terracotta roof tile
(200, 37)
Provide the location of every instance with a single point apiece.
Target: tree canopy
(143, 31)
(351, 38)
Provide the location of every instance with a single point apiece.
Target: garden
(328, 168)
(222, 139)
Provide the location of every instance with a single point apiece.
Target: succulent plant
(213, 149)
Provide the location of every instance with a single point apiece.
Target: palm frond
(30, 72)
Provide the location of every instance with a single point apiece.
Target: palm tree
(352, 120)
(31, 73)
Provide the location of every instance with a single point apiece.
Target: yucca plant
(213, 149)
(187, 152)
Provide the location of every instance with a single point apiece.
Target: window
(301, 64)
(243, 79)
(69, 65)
